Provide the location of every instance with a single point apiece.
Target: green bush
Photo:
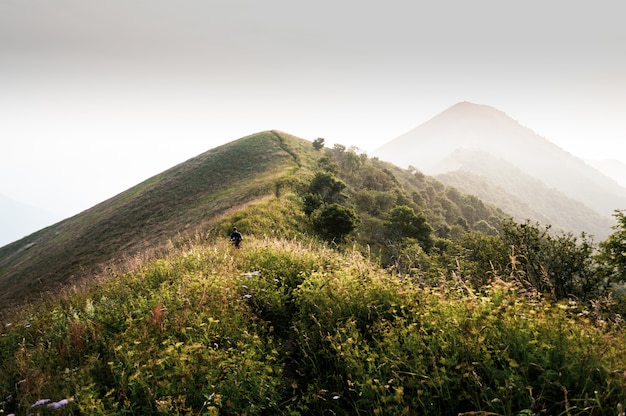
(334, 221)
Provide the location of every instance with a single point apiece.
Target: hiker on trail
(235, 237)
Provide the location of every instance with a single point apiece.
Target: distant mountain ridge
(470, 127)
(502, 184)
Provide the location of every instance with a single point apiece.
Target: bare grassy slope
(142, 219)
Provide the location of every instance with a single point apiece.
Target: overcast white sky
(96, 96)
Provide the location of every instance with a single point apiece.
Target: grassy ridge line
(191, 196)
(176, 202)
(283, 327)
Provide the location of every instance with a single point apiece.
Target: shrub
(334, 221)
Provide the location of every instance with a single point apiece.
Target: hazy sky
(98, 95)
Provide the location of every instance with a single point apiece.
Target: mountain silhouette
(449, 141)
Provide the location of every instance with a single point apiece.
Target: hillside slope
(142, 219)
(482, 128)
(492, 318)
(192, 199)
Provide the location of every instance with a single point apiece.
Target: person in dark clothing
(235, 237)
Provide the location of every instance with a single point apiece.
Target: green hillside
(142, 220)
(359, 288)
(186, 199)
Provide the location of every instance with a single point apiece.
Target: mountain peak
(476, 116)
(431, 148)
(469, 106)
(464, 125)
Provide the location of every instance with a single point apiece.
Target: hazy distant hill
(18, 220)
(431, 148)
(502, 184)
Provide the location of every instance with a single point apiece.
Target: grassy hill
(435, 303)
(143, 219)
(187, 198)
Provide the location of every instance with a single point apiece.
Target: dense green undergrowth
(283, 327)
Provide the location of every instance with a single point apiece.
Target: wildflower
(40, 402)
(59, 404)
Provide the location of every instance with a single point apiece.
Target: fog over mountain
(448, 143)
(521, 195)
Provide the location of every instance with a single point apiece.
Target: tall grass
(286, 327)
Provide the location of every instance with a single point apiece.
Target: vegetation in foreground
(359, 289)
(284, 327)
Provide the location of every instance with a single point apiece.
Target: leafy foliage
(404, 222)
(613, 250)
(561, 265)
(334, 221)
(318, 143)
(326, 187)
